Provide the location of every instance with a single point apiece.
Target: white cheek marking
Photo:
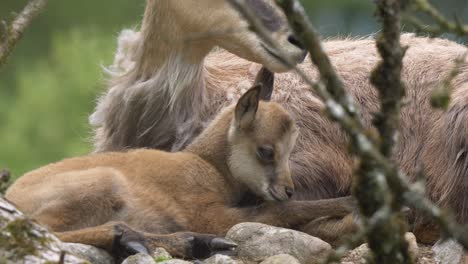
(245, 169)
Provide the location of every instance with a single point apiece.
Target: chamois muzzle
(289, 191)
(296, 42)
(281, 193)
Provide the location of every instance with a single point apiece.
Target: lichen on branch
(389, 187)
(443, 25)
(11, 33)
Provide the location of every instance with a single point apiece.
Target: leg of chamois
(121, 241)
(426, 231)
(218, 219)
(302, 212)
(331, 229)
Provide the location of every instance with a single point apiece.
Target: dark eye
(266, 153)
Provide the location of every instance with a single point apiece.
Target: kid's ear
(266, 78)
(247, 106)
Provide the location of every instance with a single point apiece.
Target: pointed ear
(247, 106)
(266, 78)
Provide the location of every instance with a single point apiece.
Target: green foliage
(440, 97)
(19, 239)
(162, 258)
(47, 120)
(50, 84)
(5, 180)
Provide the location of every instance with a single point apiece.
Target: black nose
(289, 191)
(295, 41)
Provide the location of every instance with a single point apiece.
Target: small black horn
(266, 79)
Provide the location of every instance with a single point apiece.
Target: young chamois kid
(167, 84)
(142, 199)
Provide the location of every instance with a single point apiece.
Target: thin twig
(386, 78)
(351, 242)
(369, 173)
(13, 32)
(440, 95)
(62, 257)
(365, 147)
(443, 24)
(5, 177)
(310, 37)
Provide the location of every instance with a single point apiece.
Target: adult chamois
(166, 86)
(142, 199)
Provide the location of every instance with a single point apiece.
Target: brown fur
(96, 198)
(133, 112)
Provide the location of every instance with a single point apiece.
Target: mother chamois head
(261, 137)
(216, 23)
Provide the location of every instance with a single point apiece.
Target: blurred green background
(51, 82)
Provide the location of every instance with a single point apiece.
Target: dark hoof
(231, 253)
(127, 242)
(222, 244)
(204, 246)
(134, 247)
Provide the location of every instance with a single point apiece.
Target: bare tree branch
(4, 180)
(11, 34)
(440, 95)
(371, 180)
(23, 241)
(443, 24)
(386, 78)
(350, 243)
(384, 174)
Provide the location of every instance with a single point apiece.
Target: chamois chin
(141, 109)
(136, 201)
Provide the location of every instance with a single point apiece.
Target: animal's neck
(175, 68)
(163, 38)
(162, 93)
(157, 98)
(212, 146)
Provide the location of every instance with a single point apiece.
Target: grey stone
(448, 252)
(256, 242)
(89, 253)
(175, 261)
(359, 254)
(48, 248)
(412, 246)
(281, 259)
(221, 259)
(160, 253)
(139, 258)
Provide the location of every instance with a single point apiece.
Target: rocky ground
(262, 244)
(24, 242)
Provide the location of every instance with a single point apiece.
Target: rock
(89, 253)
(448, 251)
(139, 258)
(221, 259)
(359, 254)
(256, 242)
(412, 246)
(281, 259)
(174, 261)
(161, 254)
(23, 241)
